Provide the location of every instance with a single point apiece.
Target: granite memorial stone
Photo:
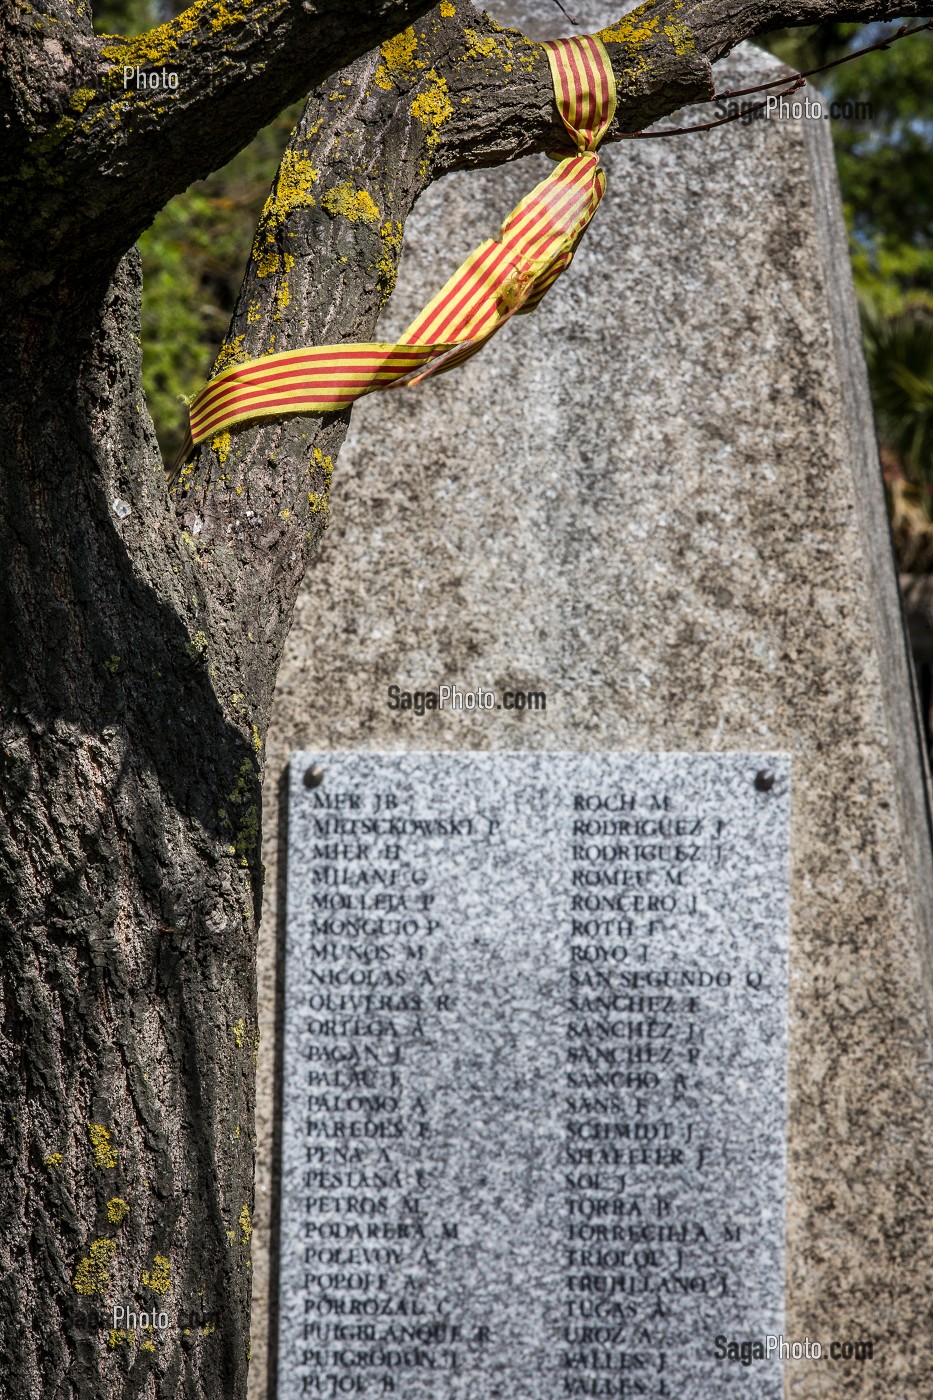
(647, 519)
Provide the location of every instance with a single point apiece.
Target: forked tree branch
(98, 133)
(95, 139)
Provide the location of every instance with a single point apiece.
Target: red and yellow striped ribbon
(502, 277)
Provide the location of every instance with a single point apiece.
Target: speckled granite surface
(655, 501)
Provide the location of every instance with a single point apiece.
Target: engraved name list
(534, 1074)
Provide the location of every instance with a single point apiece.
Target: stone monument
(648, 522)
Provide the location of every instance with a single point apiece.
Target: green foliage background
(195, 253)
(884, 163)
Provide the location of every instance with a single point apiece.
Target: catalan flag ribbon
(503, 277)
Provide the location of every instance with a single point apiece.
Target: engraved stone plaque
(534, 1075)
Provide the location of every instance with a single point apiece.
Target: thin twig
(886, 43)
(569, 17)
(720, 121)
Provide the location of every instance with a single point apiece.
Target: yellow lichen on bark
(354, 205)
(398, 53)
(282, 298)
(268, 262)
(292, 190)
(159, 1277)
(398, 58)
(92, 1275)
(156, 45)
(481, 45)
(223, 16)
(220, 446)
(680, 36)
(317, 501)
(231, 352)
(117, 1210)
(246, 835)
(433, 107)
(634, 30)
(81, 98)
(391, 234)
(104, 1153)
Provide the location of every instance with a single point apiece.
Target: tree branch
(500, 84)
(97, 134)
(102, 140)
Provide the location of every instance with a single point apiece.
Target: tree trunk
(130, 880)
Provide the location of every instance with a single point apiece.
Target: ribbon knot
(584, 87)
(501, 278)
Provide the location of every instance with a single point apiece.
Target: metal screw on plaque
(764, 779)
(314, 776)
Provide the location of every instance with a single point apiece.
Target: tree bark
(130, 883)
(141, 634)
